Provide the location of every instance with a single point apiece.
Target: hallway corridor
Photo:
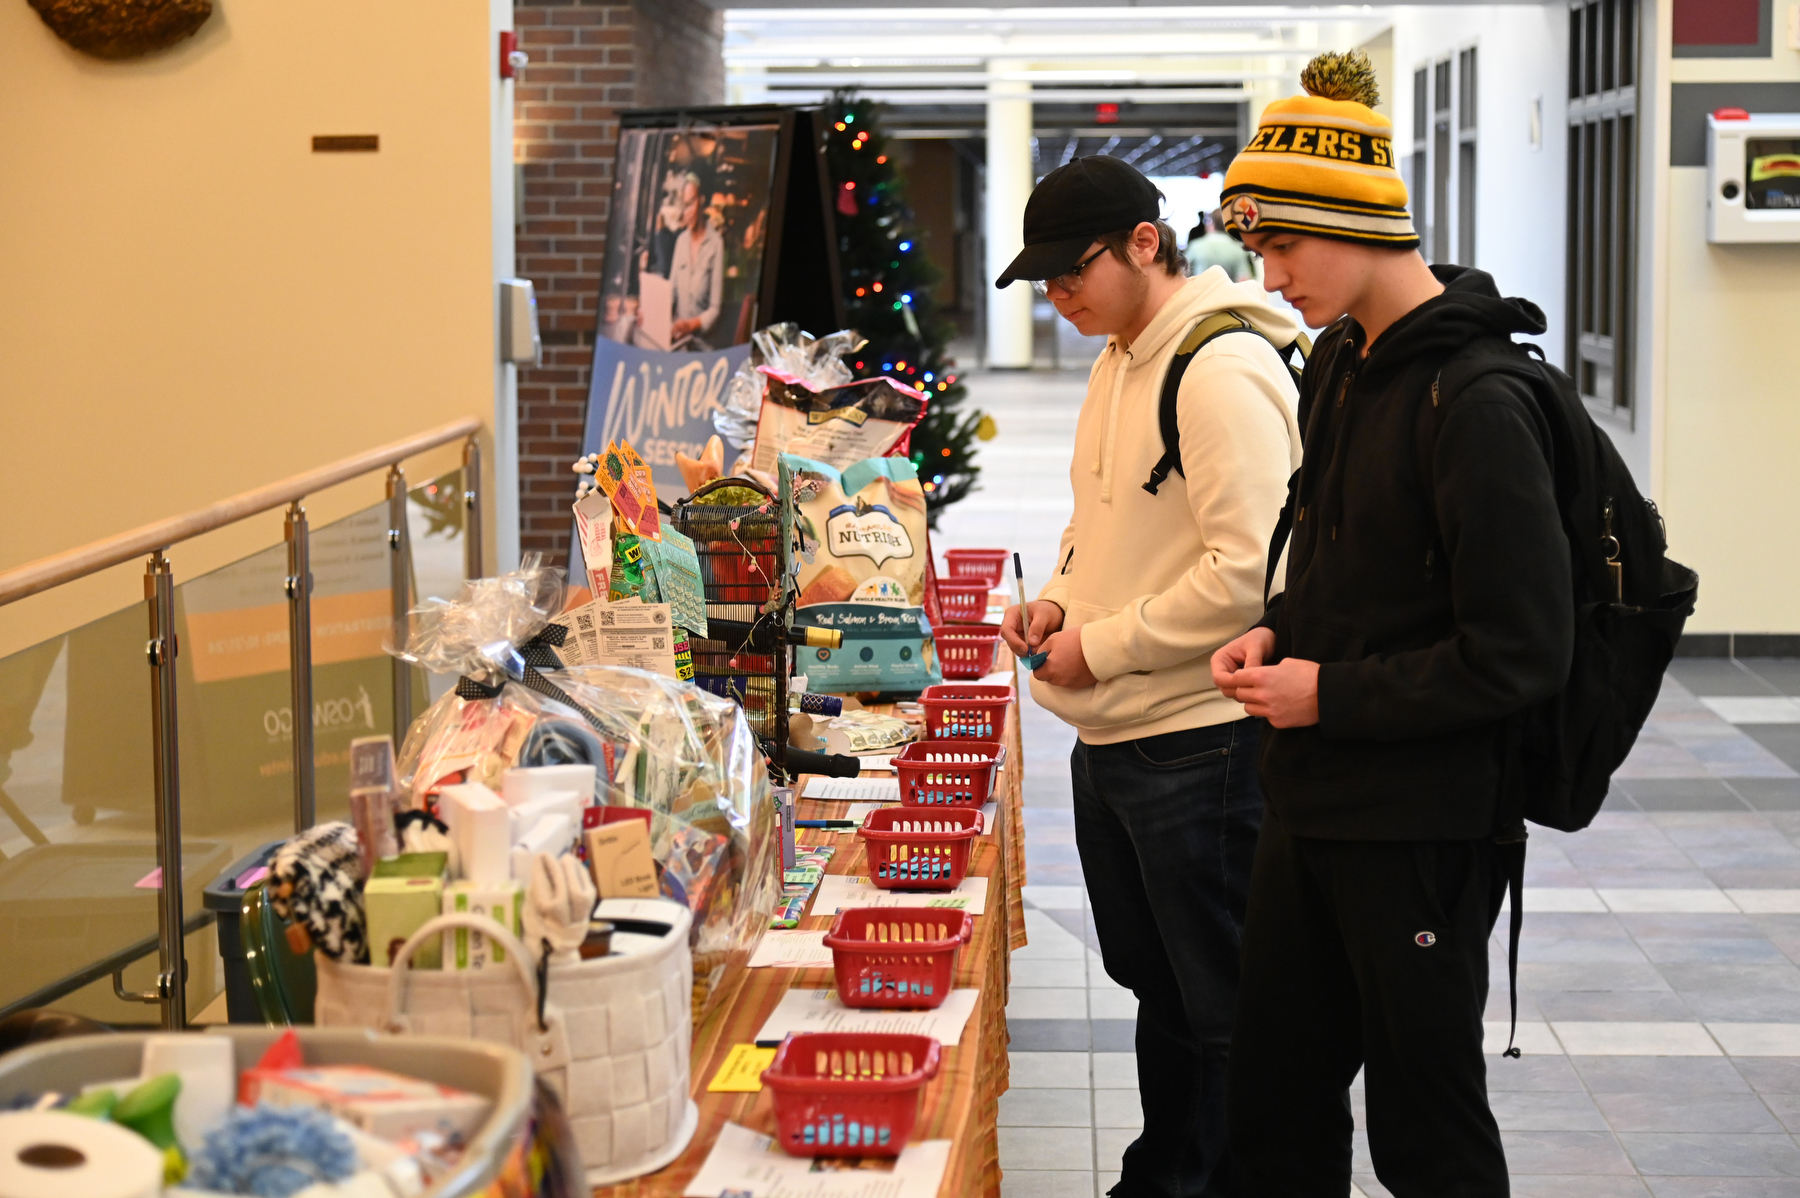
(1659, 1004)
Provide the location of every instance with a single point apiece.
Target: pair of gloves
(559, 902)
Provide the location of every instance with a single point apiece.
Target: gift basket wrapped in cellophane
(686, 756)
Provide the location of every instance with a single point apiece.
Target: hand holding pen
(1023, 637)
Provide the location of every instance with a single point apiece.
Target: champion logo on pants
(1425, 939)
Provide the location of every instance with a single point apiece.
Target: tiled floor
(1659, 1005)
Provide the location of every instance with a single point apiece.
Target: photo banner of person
(719, 226)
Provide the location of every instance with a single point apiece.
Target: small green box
(413, 865)
(398, 907)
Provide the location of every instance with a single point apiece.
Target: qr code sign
(608, 619)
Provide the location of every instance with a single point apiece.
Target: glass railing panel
(78, 832)
(77, 803)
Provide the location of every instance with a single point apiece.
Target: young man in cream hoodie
(1149, 582)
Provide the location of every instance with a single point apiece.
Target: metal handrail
(58, 568)
(163, 647)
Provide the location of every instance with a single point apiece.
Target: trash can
(225, 899)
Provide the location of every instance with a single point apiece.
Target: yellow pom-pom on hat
(1322, 164)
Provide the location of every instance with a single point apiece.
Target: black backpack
(1631, 602)
(1198, 338)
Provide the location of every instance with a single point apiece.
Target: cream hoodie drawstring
(1103, 461)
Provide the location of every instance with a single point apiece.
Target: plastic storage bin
(849, 1093)
(896, 956)
(988, 565)
(960, 711)
(963, 602)
(914, 849)
(940, 775)
(966, 651)
(65, 905)
(499, 1157)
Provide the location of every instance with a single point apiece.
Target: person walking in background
(1428, 603)
(1154, 572)
(1209, 245)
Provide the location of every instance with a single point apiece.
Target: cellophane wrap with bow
(816, 361)
(687, 756)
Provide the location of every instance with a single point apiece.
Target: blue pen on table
(825, 823)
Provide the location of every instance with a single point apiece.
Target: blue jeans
(1166, 827)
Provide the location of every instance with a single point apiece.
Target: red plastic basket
(912, 849)
(958, 711)
(941, 774)
(966, 650)
(963, 601)
(987, 565)
(896, 956)
(849, 1093)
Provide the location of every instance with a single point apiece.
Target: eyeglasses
(1070, 281)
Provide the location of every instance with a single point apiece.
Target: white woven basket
(613, 1043)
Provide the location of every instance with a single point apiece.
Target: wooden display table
(962, 1104)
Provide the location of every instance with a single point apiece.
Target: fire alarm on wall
(512, 59)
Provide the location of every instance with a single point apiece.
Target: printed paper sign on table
(838, 891)
(788, 949)
(854, 790)
(821, 1011)
(744, 1163)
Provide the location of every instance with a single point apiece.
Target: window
(1416, 183)
(1465, 157)
(1603, 164)
(1442, 175)
(1440, 162)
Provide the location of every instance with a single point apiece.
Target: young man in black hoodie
(1427, 605)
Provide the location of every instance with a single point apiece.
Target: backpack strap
(1167, 417)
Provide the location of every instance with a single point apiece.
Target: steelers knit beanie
(1322, 164)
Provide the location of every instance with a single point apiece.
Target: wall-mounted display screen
(1774, 172)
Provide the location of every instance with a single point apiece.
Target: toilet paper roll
(208, 1079)
(51, 1154)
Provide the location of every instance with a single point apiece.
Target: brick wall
(588, 60)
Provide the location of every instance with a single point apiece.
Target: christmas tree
(887, 279)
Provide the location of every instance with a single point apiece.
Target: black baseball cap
(1074, 204)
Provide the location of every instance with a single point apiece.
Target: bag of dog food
(863, 563)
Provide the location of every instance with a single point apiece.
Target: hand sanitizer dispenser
(519, 340)
(1752, 176)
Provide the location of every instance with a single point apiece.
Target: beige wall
(1732, 422)
(1728, 409)
(196, 303)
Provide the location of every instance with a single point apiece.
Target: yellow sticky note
(742, 1071)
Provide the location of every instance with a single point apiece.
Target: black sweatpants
(1369, 954)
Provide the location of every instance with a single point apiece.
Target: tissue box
(527, 782)
(527, 814)
(465, 948)
(552, 834)
(480, 827)
(395, 909)
(381, 1103)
